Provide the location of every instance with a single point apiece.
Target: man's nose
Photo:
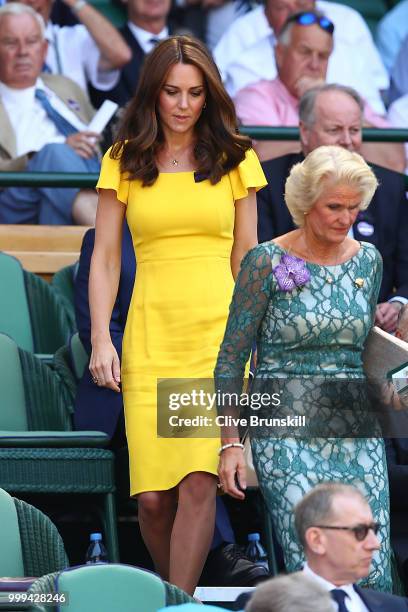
(372, 542)
(346, 140)
(314, 62)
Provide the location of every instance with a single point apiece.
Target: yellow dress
(182, 233)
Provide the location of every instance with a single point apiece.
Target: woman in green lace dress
(309, 299)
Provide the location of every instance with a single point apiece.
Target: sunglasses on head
(311, 18)
(360, 531)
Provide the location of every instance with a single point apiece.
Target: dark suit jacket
(129, 75)
(382, 602)
(387, 215)
(374, 600)
(96, 407)
(397, 463)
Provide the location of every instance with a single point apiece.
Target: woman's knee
(155, 505)
(198, 487)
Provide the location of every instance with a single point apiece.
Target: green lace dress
(317, 330)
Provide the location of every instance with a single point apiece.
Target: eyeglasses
(360, 531)
(311, 18)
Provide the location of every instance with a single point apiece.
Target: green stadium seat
(39, 452)
(30, 312)
(30, 542)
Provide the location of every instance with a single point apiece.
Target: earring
(204, 105)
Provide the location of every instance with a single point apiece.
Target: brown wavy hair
(219, 147)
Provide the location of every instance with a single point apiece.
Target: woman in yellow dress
(186, 181)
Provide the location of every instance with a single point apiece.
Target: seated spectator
(302, 54)
(391, 31)
(338, 532)
(43, 126)
(100, 408)
(245, 52)
(293, 593)
(332, 114)
(91, 51)
(146, 26)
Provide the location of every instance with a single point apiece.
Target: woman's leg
(193, 529)
(156, 510)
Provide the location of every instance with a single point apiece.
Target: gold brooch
(359, 282)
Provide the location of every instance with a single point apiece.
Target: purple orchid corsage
(291, 272)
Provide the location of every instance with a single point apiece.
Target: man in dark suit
(146, 26)
(332, 114)
(336, 527)
(99, 408)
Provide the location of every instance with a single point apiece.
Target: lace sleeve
(376, 283)
(248, 306)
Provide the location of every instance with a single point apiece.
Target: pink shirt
(270, 103)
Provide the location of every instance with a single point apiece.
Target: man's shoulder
(389, 178)
(58, 82)
(279, 167)
(387, 601)
(336, 12)
(247, 29)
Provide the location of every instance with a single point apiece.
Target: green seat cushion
(11, 557)
(15, 318)
(12, 404)
(111, 588)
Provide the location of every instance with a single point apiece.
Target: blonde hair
(306, 180)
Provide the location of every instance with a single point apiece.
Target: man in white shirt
(146, 26)
(92, 51)
(43, 126)
(336, 527)
(245, 54)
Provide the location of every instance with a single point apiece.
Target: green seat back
(14, 311)
(79, 356)
(111, 588)
(11, 556)
(13, 416)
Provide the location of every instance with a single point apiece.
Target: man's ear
(315, 541)
(304, 135)
(279, 51)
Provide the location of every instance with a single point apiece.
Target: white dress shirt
(353, 602)
(245, 54)
(73, 53)
(144, 38)
(32, 127)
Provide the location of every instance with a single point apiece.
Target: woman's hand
(232, 472)
(105, 365)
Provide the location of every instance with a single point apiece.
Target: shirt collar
(143, 37)
(348, 588)
(19, 96)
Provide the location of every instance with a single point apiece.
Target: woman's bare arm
(103, 287)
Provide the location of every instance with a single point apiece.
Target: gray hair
(402, 322)
(290, 594)
(285, 35)
(17, 8)
(316, 507)
(307, 102)
(306, 180)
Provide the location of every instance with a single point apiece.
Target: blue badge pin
(73, 104)
(365, 229)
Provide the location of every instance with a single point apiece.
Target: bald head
(333, 117)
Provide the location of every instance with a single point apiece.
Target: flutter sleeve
(112, 178)
(247, 174)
